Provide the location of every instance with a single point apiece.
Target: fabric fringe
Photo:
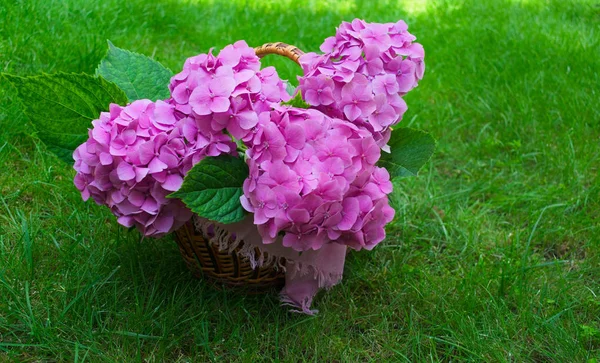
(324, 280)
(258, 257)
(303, 308)
(229, 241)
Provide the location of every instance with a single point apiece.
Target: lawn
(494, 254)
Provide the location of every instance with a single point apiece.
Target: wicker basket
(205, 259)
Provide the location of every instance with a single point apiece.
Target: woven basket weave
(205, 260)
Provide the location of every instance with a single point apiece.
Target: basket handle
(286, 50)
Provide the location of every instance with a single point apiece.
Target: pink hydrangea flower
(329, 191)
(227, 91)
(366, 69)
(135, 156)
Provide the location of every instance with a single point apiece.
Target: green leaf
(139, 76)
(213, 187)
(410, 150)
(297, 101)
(61, 107)
(289, 88)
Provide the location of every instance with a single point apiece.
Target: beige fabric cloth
(306, 272)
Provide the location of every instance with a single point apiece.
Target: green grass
(494, 254)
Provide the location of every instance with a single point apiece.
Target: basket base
(223, 268)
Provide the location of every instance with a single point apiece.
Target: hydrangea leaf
(297, 101)
(290, 89)
(410, 150)
(213, 187)
(61, 107)
(137, 75)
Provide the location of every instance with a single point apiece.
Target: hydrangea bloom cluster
(227, 92)
(365, 71)
(314, 178)
(136, 155)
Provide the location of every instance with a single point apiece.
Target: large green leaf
(61, 106)
(213, 187)
(410, 150)
(137, 75)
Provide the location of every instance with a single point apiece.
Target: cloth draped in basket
(305, 273)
